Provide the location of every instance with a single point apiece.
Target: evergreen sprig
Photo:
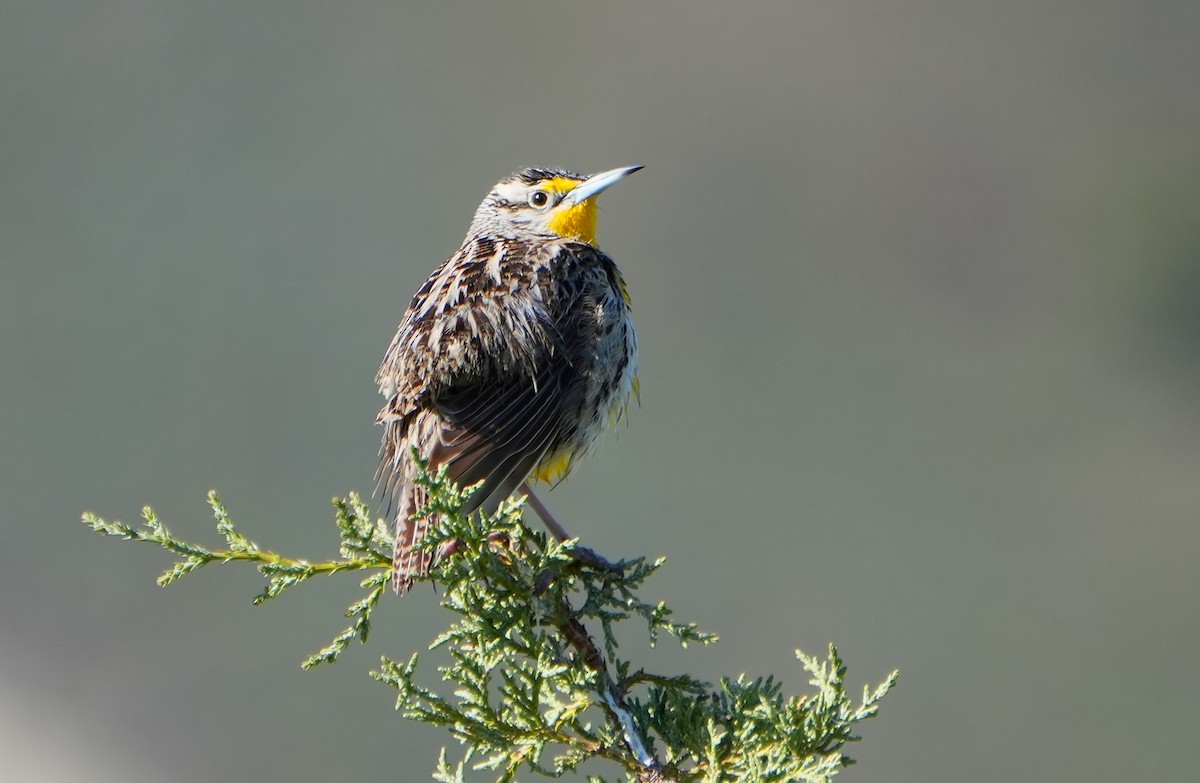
(366, 545)
(529, 687)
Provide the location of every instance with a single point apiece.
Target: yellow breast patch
(554, 467)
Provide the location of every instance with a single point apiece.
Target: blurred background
(918, 293)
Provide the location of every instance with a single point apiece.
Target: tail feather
(397, 476)
(500, 462)
(407, 562)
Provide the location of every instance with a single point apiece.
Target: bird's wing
(498, 393)
(488, 429)
(497, 429)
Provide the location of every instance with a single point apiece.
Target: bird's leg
(582, 554)
(539, 508)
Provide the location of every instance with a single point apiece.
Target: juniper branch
(365, 546)
(538, 680)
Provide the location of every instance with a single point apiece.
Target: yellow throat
(577, 222)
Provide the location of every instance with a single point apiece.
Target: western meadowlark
(511, 358)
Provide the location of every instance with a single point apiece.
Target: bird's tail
(397, 479)
(407, 562)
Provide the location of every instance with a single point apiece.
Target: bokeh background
(918, 291)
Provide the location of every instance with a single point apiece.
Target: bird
(511, 358)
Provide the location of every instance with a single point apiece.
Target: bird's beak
(596, 184)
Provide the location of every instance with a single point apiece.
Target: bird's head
(546, 203)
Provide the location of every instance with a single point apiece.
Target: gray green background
(918, 291)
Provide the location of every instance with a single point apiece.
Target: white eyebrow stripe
(512, 191)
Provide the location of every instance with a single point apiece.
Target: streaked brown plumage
(512, 357)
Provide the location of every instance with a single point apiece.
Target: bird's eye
(539, 199)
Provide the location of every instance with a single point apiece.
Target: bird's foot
(589, 558)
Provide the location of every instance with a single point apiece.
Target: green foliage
(366, 545)
(529, 687)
